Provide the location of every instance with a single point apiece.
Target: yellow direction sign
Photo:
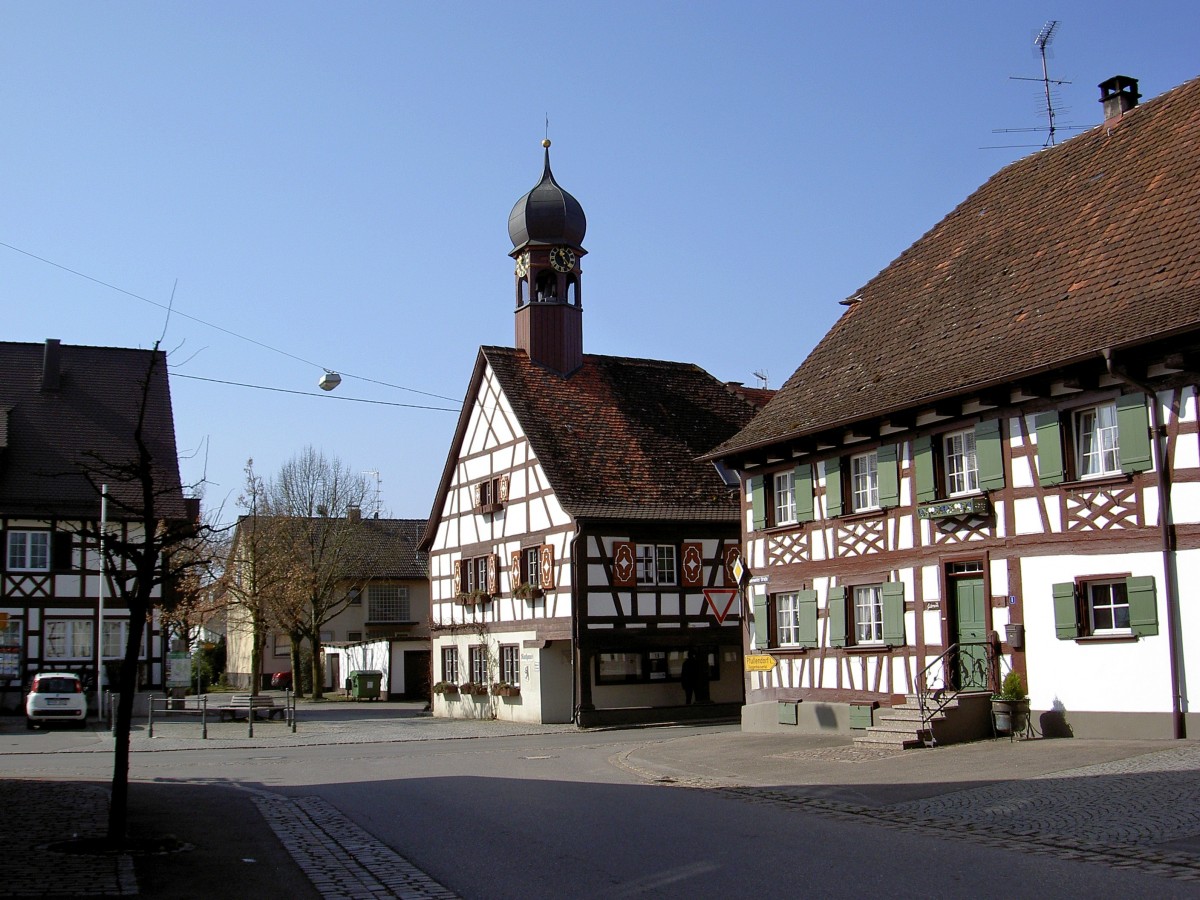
(760, 662)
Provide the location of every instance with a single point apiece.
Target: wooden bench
(242, 705)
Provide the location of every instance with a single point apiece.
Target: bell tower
(547, 227)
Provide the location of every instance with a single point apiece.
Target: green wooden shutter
(923, 468)
(803, 482)
(833, 487)
(837, 617)
(988, 455)
(1143, 605)
(893, 613)
(1066, 611)
(758, 502)
(762, 625)
(1133, 433)
(888, 473)
(1049, 449)
(807, 602)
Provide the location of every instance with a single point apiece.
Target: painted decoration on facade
(546, 564)
(624, 568)
(732, 555)
(693, 565)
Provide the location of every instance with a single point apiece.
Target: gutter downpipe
(1166, 521)
(575, 667)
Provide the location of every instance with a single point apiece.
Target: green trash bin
(365, 684)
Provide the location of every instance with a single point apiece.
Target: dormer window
(491, 494)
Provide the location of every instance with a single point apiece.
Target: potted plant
(504, 689)
(474, 688)
(527, 591)
(474, 598)
(445, 687)
(1010, 706)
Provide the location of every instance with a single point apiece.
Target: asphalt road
(540, 815)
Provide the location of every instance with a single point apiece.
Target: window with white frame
(388, 603)
(28, 551)
(116, 632)
(962, 468)
(1097, 451)
(475, 573)
(864, 480)
(450, 664)
(69, 639)
(1107, 606)
(787, 619)
(868, 614)
(785, 498)
(656, 564)
(510, 664)
(479, 665)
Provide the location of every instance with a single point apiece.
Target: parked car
(56, 697)
(281, 680)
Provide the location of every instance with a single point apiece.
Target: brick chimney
(1119, 95)
(354, 513)
(52, 365)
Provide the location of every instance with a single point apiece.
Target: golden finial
(546, 143)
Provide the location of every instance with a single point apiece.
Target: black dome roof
(547, 214)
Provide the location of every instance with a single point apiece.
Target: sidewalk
(1127, 803)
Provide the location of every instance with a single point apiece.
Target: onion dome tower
(547, 227)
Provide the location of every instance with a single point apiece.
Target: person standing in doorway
(687, 676)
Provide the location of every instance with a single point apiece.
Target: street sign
(760, 662)
(739, 571)
(721, 601)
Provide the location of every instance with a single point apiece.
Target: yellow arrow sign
(760, 662)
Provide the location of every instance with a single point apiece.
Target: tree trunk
(318, 682)
(118, 806)
(296, 663)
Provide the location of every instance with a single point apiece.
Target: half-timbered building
(990, 462)
(67, 412)
(578, 550)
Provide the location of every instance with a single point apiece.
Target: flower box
(502, 689)
(526, 591)
(445, 687)
(474, 689)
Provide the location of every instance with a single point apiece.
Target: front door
(970, 607)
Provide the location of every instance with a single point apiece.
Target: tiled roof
(619, 438)
(1092, 244)
(48, 435)
(372, 548)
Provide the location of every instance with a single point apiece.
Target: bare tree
(313, 497)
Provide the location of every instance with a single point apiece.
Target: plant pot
(1010, 716)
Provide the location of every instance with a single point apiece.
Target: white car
(56, 697)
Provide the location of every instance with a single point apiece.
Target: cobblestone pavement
(342, 861)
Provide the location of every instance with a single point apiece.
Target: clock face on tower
(562, 258)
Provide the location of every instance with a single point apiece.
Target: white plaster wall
(1118, 677)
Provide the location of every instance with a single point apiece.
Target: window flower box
(473, 598)
(504, 689)
(446, 687)
(527, 591)
(474, 688)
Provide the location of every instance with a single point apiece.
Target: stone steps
(901, 726)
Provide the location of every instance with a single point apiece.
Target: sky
(276, 189)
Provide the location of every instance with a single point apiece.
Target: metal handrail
(941, 696)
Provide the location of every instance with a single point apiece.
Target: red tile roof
(52, 437)
(1091, 244)
(368, 548)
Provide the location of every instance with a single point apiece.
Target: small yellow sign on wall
(760, 662)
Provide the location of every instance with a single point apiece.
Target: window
(387, 603)
(962, 467)
(864, 481)
(474, 575)
(1096, 445)
(787, 619)
(450, 664)
(785, 498)
(10, 648)
(868, 614)
(618, 668)
(115, 634)
(510, 664)
(479, 665)
(354, 636)
(71, 639)
(282, 646)
(655, 564)
(491, 494)
(651, 666)
(28, 551)
(1106, 606)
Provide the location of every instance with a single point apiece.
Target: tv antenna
(375, 501)
(763, 376)
(1040, 43)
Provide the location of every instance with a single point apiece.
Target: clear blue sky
(331, 182)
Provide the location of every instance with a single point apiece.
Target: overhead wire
(172, 310)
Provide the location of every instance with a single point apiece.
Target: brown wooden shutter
(732, 555)
(546, 566)
(514, 570)
(458, 577)
(502, 489)
(692, 574)
(477, 495)
(493, 574)
(624, 564)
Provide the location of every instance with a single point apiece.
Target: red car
(281, 680)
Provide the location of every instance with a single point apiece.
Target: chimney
(354, 513)
(1119, 95)
(52, 365)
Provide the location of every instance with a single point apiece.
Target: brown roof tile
(1091, 244)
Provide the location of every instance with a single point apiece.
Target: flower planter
(475, 690)
(1010, 716)
(505, 690)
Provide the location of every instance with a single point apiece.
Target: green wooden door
(970, 607)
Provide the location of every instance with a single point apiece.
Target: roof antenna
(1040, 43)
(763, 376)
